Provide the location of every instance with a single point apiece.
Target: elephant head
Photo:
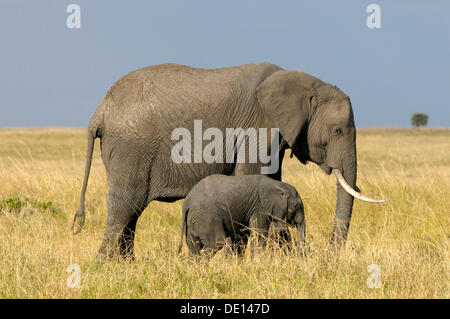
(285, 207)
(316, 120)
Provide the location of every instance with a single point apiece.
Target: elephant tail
(183, 228)
(93, 133)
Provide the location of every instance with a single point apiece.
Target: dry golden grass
(408, 237)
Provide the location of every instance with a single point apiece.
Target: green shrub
(16, 204)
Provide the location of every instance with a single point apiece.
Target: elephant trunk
(344, 201)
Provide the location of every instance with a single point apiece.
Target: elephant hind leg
(127, 198)
(126, 241)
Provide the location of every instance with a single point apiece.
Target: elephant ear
(285, 97)
(274, 201)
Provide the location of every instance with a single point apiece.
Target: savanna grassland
(41, 172)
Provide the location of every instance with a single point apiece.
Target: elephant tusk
(352, 192)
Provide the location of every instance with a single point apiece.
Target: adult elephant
(136, 118)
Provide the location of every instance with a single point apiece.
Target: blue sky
(51, 75)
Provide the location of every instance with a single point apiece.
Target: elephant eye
(338, 131)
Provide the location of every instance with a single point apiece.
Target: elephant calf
(221, 207)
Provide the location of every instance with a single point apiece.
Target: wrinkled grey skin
(221, 207)
(135, 119)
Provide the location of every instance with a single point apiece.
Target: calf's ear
(275, 201)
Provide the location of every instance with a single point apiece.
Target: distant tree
(419, 119)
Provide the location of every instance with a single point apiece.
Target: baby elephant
(221, 207)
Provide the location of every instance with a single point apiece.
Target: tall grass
(408, 237)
